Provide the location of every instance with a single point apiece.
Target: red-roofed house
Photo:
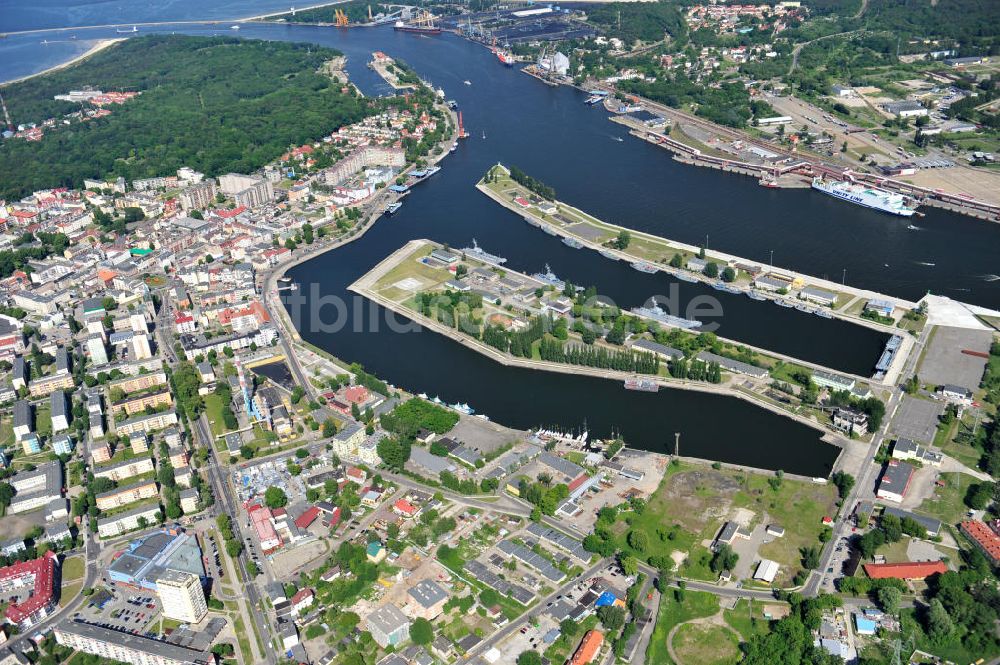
(405, 509)
(985, 538)
(184, 322)
(246, 318)
(908, 570)
(356, 475)
(356, 395)
(229, 214)
(308, 517)
(302, 600)
(38, 574)
(578, 481)
(268, 537)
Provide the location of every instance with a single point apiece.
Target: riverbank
(394, 266)
(96, 48)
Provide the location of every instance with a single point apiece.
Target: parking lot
(944, 361)
(123, 610)
(917, 419)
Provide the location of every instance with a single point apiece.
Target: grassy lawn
(783, 371)
(706, 644)
(895, 552)
(68, 593)
(43, 421)
(747, 621)
(957, 443)
(411, 267)
(241, 636)
(72, 569)
(6, 432)
(694, 604)
(947, 502)
(213, 409)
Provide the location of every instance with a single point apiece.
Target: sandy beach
(100, 45)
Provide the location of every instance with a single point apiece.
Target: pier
(796, 163)
(591, 232)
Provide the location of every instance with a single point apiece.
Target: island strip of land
(512, 318)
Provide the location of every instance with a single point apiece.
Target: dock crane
(340, 18)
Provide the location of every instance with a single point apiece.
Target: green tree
(275, 497)
(889, 598)
(529, 658)
(723, 559)
(938, 622)
(569, 627)
(421, 631)
(612, 617)
(638, 540)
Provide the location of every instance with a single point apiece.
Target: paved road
(223, 499)
(220, 489)
(866, 477)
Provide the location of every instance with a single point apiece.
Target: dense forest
(214, 104)
(729, 104)
(644, 21)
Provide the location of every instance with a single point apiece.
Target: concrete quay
(890, 378)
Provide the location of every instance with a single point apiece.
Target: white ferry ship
(866, 195)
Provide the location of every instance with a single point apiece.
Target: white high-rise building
(182, 596)
(95, 349)
(140, 347)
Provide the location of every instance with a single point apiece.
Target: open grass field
(69, 592)
(706, 644)
(693, 501)
(213, 410)
(410, 268)
(72, 569)
(747, 621)
(947, 503)
(694, 604)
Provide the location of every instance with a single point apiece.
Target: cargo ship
(429, 29)
(867, 196)
(684, 277)
(657, 314)
(644, 385)
(647, 268)
(608, 254)
(572, 242)
(480, 254)
(506, 58)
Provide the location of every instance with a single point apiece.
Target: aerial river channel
(553, 136)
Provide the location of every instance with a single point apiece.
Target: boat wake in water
(912, 227)
(925, 263)
(990, 278)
